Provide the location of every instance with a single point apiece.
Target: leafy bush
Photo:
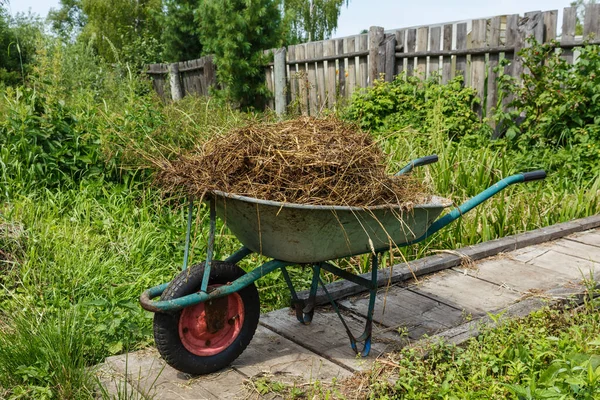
(42, 144)
(422, 105)
(554, 117)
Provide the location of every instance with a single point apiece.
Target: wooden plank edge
(435, 263)
(560, 296)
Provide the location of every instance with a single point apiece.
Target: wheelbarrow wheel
(206, 337)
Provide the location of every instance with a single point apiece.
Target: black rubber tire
(166, 326)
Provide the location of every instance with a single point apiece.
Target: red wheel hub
(209, 328)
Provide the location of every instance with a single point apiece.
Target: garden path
(450, 304)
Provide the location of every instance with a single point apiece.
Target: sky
(390, 14)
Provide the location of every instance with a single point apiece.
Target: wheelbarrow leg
(367, 333)
(304, 310)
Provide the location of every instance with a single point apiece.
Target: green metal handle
(418, 163)
(480, 198)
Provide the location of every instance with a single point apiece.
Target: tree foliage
(237, 32)
(310, 20)
(127, 28)
(18, 37)
(179, 30)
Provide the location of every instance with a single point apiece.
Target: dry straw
(305, 160)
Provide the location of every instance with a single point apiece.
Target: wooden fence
(179, 79)
(310, 77)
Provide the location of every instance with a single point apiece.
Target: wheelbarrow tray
(307, 234)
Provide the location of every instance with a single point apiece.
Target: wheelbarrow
(208, 314)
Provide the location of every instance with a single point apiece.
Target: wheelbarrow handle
(480, 198)
(417, 163)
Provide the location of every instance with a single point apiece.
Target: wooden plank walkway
(450, 304)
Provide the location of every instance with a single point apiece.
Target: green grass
(553, 353)
(78, 248)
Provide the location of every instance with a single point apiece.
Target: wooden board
(478, 33)
(461, 44)
(363, 65)
(150, 375)
(574, 268)
(341, 65)
(422, 39)
(400, 308)
(272, 353)
(567, 36)
(492, 86)
(550, 22)
(321, 88)
(514, 274)
(400, 43)
(390, 58)
(376, 38)
(464, 292)
(591, 237)
(577, 249)
(302, 79)
(447, 60)
(312, 80)
(351, 79)
(293, 80)
(326, 336)
(591, 23)
(411, 43)
(331, 76)
(435, 44)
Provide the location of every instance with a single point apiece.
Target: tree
(68, 20)
(117, 27)
(237, 32)
(310, 20)
(180, 32)
(18, 38)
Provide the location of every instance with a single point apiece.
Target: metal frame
(305, 310)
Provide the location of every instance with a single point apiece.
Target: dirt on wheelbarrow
(304, 160)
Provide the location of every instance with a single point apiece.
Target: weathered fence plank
(422, 38)
(312, 79)
(351, 81)
(390, 57)
(321, 89)
(330, 88)
(591, 24)
(447, 60)
(341, 65)
(567, 36)
(376, 38)
(293, 79)
(461, 44)
(550, 21)
(400, 44)
(303, 79)
(363, 73)
(411, 43)
(478, 33)
(492, 88)
(435, 45)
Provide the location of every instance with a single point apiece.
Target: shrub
(553, 119)
(422, 105)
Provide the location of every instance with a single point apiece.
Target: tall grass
(42, 357)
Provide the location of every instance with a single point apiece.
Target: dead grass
(305, 160)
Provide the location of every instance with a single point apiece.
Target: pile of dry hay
(306, 161)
